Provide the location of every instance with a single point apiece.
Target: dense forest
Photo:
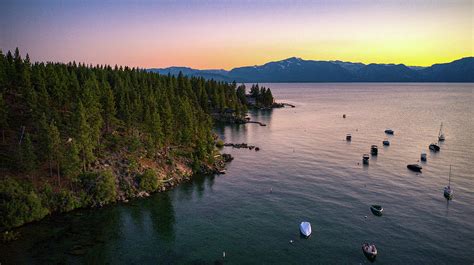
(76, 135)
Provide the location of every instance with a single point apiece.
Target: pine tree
(55, 148)
(241, 94)
(27, 155)
(108, 101)
(71, 164)
(90, 101)
(3, 73)
(84, 140)
(3, 117)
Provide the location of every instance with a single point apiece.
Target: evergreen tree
(53, 149)
(27, 155)
(71, 164)
(241, 94)
(84, 140)
(108, 101)
(3, 117)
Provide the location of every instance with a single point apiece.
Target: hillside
(299, 70)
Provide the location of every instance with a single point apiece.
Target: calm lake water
(314, 175)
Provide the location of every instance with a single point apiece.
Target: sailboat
(448, 192)
(441, 134)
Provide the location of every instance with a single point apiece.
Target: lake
(314, 175)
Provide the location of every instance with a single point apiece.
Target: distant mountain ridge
(298, 70)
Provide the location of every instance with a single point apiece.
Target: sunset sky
(227, 34)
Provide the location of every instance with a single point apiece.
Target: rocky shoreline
(169, 176)
(243, 145)
(126, 174)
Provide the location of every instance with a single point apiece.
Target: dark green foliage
(148, 181)
(220, 143)
(73, 115)
(71, 165)
(27, 155)
(99, 188)
(19, 203)
(67, 201)
(57, 101)
(241, 94)
(263, 96)
(3, 117)
(61, 201)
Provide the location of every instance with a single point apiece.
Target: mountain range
(298, 70)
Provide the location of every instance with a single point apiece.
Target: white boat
(369, 250)
(441, 134)
(448, 191)
(305, 229)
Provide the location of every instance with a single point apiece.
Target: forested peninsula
(76, 135)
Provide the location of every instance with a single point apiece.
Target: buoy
(365, 216)
(271, 190)
(223, 254)
(291, 241)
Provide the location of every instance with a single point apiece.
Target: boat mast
(440, 129)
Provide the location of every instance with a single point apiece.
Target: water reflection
(197, 185)
(162, 216)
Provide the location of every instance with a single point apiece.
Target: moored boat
(376, 209)
(365, 159)
(415, 167)
(441, 134)
(448, 191)
(305, 229)
(348, 137)
(434, 147)
(386, 142)
(389, 131)
(423, 157)
(370, 251)
(374, 150)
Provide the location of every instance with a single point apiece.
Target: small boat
(423, 157)
(305, 229)
(373, 150)
(370, 251)
(365, 159)
(415, 167)
(448, 191)
(441, 134)
(344, 116)
(348, 137)
(389, 131)
(376, 209)
(386, 143)
(222, 171)
(434, 147)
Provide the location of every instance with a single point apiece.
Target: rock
(142, 194)
(227, 157)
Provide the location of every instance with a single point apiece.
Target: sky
(211, 34)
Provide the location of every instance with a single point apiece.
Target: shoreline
(179, 173)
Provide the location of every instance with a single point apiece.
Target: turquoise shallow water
(314, 175)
